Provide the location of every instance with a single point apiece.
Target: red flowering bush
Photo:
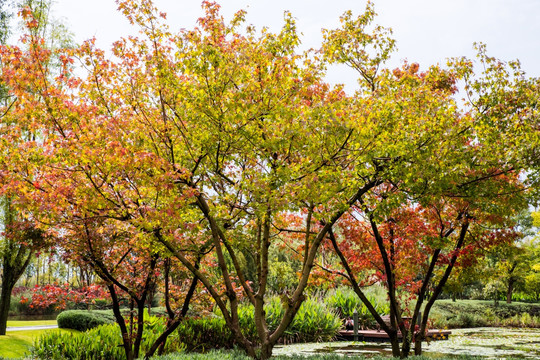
(62, 297)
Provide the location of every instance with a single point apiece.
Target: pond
(491, 343)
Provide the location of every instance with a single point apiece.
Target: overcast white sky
(427, 31)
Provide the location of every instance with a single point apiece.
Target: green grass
(16, 344)
(22, 323)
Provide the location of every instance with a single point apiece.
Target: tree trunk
(126, 340)
(13, 268)
(509, 291)
(418, 345)
(394, 341)
(266, 351)
(406, 344)
(5, 300)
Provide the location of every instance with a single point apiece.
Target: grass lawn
(16, 344)
(19, 323)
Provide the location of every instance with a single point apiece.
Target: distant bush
(469, 313)
(205, 334)
(83, 320)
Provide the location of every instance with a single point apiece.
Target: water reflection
(491, 343)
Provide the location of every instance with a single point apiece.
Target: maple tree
(20, 236)
(198, 148)
(471, 174)
(412, 251)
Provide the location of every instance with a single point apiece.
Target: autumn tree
(20, 238)
(200, 143)
(210, 127)
(463, 169)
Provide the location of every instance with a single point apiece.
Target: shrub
(314, 322)
(83, 320)
(211, 355)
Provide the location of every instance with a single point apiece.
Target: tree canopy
(205, 143)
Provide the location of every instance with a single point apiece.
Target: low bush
(83, 320)
(21, 304)
(314, 322)
(205, 334)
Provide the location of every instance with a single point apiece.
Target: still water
(491, 343)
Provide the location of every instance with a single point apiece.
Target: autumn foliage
(201, 152)
(60, 296)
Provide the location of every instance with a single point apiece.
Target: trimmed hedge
(83, 320)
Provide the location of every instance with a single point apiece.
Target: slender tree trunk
(509, 291)
(38, 264)
(394, 341)
(406, 344)
(438, 289)
(5, 300)
(126, 340)
(14, 264)
(266, 351)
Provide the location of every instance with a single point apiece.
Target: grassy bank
(17, 344)
(481, 313)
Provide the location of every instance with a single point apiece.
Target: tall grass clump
(315, 321)
(472, 313)
(344, 301)
(100, 343)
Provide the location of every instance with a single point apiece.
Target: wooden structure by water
(381, 336)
